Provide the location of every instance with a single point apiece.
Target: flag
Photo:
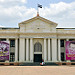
(40, 6)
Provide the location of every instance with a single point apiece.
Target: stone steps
(38, 64)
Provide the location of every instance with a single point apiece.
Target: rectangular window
(62, 43)
(12, 43)
(12, 57)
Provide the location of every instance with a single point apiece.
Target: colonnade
(54, 49)
(50, 49)
(26, 50)
(51, 52)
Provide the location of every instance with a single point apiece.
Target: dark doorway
(37, 57)
(62, 56)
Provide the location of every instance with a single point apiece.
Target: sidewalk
(37, 70)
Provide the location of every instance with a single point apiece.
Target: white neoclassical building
(37, 39)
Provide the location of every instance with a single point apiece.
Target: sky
(13, 12)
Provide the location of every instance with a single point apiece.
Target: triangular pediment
(38, 18)
(37, 24)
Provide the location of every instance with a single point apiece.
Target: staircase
(51, 64)
(30, 64)
(38, 64)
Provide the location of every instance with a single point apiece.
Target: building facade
(37, 39)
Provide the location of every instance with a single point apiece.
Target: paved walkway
(37, 70)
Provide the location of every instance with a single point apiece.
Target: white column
(67, 39)
(54, 49)
(16, 49)
(22, 50)
(59, 51)
(49, 56)
(27, 49)
(45, 52)
(7, 39)
(31, 49)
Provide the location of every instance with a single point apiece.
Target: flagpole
(37, 10)
(39, 6)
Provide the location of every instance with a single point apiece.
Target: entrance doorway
(37, 50)
(37, 57)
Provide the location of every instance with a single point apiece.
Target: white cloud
(10, 3)
(2, 26)
(58, 8)
(1, 0)
(16, 12)
(62, 13)
(24, 1)
(10, 16)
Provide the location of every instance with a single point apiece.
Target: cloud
(16, 12)
(2, 26)
(10, 3)
(5, 1)
(58, 8)
(13, 15)
(1, 0)
(61, 13)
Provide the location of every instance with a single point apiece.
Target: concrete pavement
(37, 70)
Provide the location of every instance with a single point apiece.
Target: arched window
(37, 47)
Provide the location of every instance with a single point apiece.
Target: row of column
(59, 50)
(52, 49)
(22, 51)
(16, 49)
(56, 54)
